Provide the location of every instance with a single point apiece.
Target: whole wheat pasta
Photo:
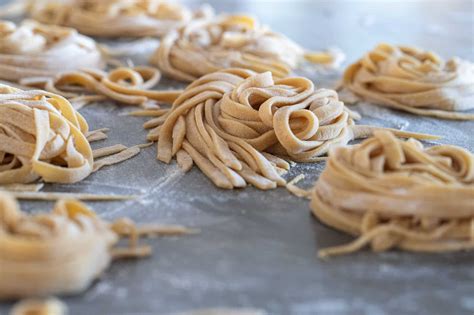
(208, 45)
(415, 81)
(43, 137)
(111, 18)
(397, 194)
(125, 85)
(62, 252)
(233, 124)
(32, 49)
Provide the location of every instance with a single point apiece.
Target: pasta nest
(113, 18)
(233, 122)
(413, 80)
(60, 252)
(41, 136)
(397, 194)
(32, 49)
(208, 45)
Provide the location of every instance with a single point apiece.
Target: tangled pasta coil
(234, 123)
(113, 18)
(130, 86)
(208, 45)
(32, 49)
(415, 81)
(397, 194)
(41, 136)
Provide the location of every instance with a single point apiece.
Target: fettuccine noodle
(32, 49)
(112, 18)
(62, 252)
(131, 86)
(413, 80)
(234, 123)
(396, 194)
(43, 137)
(208, 45)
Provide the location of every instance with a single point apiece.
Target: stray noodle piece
(397, 194)
(62, 252)
(131, 86)
(415, 81)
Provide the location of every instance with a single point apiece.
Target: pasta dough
(32, 49)
(234, 123)
(112, 18)
(396, 194)
(62, 252)
(415, 81)
(208, 45)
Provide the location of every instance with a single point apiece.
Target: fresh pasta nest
(415, 81)
(61, 252)
(32, 49)
(208, 45)
(113, 18)
(64, 251)
(397, 194)
(41, 136)
(234, 123)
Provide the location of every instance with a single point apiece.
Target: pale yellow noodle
(207, 45)
(397, 194)
(43, 137)
(234, 123)
(63, 251)
(131, 86)
(32, 49)
(112, 18)
(415, 81)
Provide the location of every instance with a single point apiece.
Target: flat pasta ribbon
(32, 49)
(415, 81)
(397, 194)
(42, 136)
(62, 252)
(234, 123)
(208, 45)
(111, 18)
(131, 86)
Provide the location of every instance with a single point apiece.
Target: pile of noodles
(397, 194)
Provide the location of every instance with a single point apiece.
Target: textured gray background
(258, 249)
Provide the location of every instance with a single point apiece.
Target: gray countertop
(258, 249)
